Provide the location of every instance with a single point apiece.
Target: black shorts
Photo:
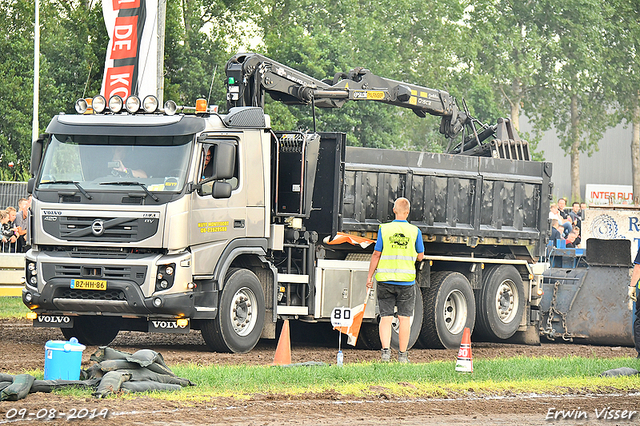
(392, 295)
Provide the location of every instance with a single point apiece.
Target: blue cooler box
(62, 359)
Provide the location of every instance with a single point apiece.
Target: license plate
(89, 284)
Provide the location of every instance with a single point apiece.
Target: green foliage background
(540, 58)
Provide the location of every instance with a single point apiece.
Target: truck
(171, 219)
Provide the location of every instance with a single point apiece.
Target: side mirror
(31, 183)
(221, 190)
(36, 154)
(225, 161)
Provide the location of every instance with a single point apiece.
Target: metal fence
(11, 192)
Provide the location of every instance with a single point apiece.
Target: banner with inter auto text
(131, 62)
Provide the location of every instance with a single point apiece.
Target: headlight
(133, 104)
(150, 104)
(81, 106)
(99, 103)
(170, 108)
(169, 270)
(115, 104)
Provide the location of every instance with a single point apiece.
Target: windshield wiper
(132, 183)
(70, 182)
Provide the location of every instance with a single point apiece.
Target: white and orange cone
(465, 361)
(283, 350)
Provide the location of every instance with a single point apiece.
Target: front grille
(68, 293)
(136, 274)
(101, 229)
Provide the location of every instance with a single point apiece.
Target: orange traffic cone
(465, 361)
(283, 350)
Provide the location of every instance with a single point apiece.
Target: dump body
(462, 204)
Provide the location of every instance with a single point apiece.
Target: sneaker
(386, 355)
(403, 357)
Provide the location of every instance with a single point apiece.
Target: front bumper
(131, 285)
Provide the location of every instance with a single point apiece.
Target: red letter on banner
(125, 38)
(118, 81)
(125, 4)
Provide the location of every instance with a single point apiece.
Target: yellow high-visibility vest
(397, 262)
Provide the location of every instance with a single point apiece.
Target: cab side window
(207, 169)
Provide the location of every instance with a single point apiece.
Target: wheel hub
(455, 312)
(506, 301)
(243, 317)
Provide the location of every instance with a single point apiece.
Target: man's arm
(375, 258)
(635, 276)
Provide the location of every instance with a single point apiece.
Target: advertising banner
(612, 224)
(597, 194)
(131, 61)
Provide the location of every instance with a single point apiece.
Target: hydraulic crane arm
(250, 76)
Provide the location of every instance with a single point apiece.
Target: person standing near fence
(22, 222)
(7, 235)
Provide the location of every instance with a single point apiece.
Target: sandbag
(105, 353)
(4, 377)
(111, 383)
(142, 374)
(622, 371)
(148, 385)
(19, 389)
(4, 384)
(47, 386)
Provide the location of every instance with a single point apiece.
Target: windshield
(98, 162)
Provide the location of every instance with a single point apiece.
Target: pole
(162, 10)
(36, 73)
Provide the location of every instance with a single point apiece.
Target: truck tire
(93, 331)
(449, 307)
(238, 325)
(369, 336)
(500, 303)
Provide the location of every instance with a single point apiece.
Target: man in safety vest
(398, 247)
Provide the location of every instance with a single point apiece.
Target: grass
(12, 307)
(510, 376)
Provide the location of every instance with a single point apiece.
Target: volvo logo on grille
(97, 227)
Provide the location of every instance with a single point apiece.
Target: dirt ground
(22, 349)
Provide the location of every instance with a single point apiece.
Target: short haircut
(554, 223)
(553, 205)
(575, 202)
(402, 205)
(10, 209)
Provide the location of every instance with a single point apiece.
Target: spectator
(207, 171)
(556, 231)
(554, 213)
(22, 223)
(583, 209)
(575, 215)
(7, 235)
(573, 239)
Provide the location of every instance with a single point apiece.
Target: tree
(623, 47)
(575, 96)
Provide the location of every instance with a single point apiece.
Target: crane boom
(250, 76)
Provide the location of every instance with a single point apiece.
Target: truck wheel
(500, 303)
(416, 323)
(369, 336)
(93, 331)
(238, 325)
(449, 307)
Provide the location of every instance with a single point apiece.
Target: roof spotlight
(99, 103)
(150, 104)
(115, 104)
(81, 106)
(133, 104)
(170, 107)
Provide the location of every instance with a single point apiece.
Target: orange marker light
(201, 105)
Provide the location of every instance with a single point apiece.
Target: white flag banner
(132, 55)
